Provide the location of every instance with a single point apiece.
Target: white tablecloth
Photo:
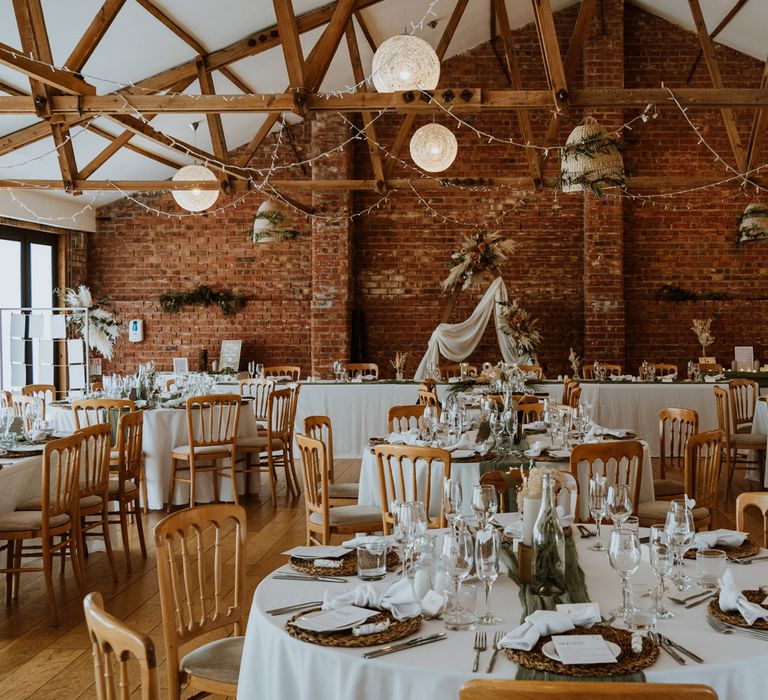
(468, 473)
(760, 425)
(20, 480)
(164, 429)
(275, 665)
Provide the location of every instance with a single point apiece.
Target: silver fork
(480, 645)
(496, 641)
(724, 628)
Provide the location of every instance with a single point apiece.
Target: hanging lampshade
(753, 223)
(433, 147)
(405, 62)
(271, 223)
(195, 200)
(591, 160)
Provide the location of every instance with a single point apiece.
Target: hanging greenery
(591, 160)
(229, 301)
(520, 327)
(479, 252)
(271, 223)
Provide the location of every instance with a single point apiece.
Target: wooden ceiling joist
(291, 43)
(759, 126)
(93, 35)
(215, 127)
(53, 77)
(365, 30)
(550, 50)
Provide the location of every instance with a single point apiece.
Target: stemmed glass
(260, 370)
(251, 369)
(619, 503)
(452, 500)
(680, 533)
(661, 563)
(598, 498)
(624, 555)
(31, 415)
(457, 554)
(7, 416)
(496, 422)
(487, 545)
(641, 613)
(430, 423)
(485, 503)
(410, 522)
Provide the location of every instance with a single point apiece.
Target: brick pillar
(331, 249)
(604, 317)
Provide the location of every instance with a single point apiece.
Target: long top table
(275, 665)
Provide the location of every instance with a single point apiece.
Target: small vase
(548, 562)
(399, 376)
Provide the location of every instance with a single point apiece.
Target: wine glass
(598, 501)
(260, 370)
(251, 369)
(7, 416)
(457, 555)
(496, 422)
(640, 614)
(485, 503)
(662, 559)
(619, 503)
(398, 532)
(452, 500)
(624, 555)
(430, 423)
(412, 522)
(487, 546)
(681, 532)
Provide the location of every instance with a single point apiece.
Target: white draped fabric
(456, 341)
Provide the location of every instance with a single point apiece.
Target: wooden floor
(40, 661)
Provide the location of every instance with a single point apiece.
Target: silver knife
(293, 608)
(668, 648)
(682, 649)
(688, 606)
(325, 579)
(417, 642)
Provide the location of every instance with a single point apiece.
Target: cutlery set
(672, 648)
(726, 628)
(287, 576)
(401, 646)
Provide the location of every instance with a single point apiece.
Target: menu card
(582, 649)
(319, 552)
(333, 620)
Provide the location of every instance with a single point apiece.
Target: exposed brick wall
(395, 258)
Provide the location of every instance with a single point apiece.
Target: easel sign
(744, 357)
(229, 357)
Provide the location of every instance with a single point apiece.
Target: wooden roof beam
(550, 50)
(291, 44)
(365, 30)
(370, 127)
(54, 77)
(708, 49)
(215, 127)
(93, 35)
(759, 126)
(513, 70)
(442, 47)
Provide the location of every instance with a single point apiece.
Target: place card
(334, 620)
(582, 610)
(319, 552)
(582, 649)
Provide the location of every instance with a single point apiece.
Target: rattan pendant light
(272, 223)
(405, 62)
(753, 223)
(591, 160)
(433, 148)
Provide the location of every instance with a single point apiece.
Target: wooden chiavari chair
(676, 425)
(568, 386)
(588, 370)
(454, 371)
(743, 394)
(56, 517)
(399, 479)
(535, 370)
(45, 392)
(212, 422)
(757, 499)
(403, 418)
(703, 453)
(577, 690)
(290, 372)
(366, 370)
(663, 369)
(575, 397)
(6, 399)
(20, 403)
(113, 644)
(339, 494)
(258, 390)
(734, 444)
(530, 412)
(323, 518)
(511, 480)
(205, 548)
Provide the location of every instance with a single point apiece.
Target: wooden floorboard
(40, 661)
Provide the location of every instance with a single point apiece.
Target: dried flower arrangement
(479, 252)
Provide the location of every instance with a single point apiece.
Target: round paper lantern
(195, 200)
(405, 62)
(433, 148)
(591, 160)
(753, 223)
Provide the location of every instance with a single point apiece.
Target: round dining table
(276, 665)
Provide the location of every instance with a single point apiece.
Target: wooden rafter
(365, 30)
(405, 128)
(93, 35)
(708, 50)
(11, 90)
(370, 127)
(719, 28)
(573, 58)
(759, 126)
(550, 50)
(316, 66)
(54, 77)
(215, 127)
(291, 43)
(513, 70)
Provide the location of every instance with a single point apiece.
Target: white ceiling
(137, 46)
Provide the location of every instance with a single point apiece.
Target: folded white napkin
(369, 377)
(712, 378)
(669, 377)
(536, 449)
(368, 539)
(399, 599)
(562, 453)
(719, 538)
(467, 442)
(454, 380)
(535, 425)
(733, 600)
(621, 377)
(357, 380)
(543, 623)
(409, 437)
(598, 430)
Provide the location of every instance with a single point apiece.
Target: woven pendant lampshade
(591, 160)
(195, 200)
(271, 223)
(433, 147)
(753, 223)
(405, 62)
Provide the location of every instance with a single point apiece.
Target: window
(28, 276)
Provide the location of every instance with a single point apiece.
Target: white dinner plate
(32, 449)
(549, 650)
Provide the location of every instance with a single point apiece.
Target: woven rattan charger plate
(345, 638)
(747, 548)
(348, 565)
(628, 661)
(735, 618)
